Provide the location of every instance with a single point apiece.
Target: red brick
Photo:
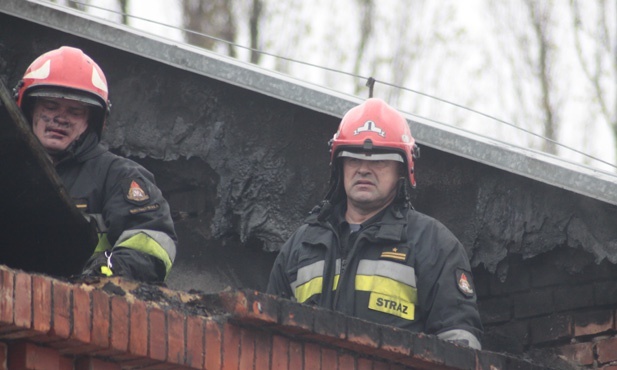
(213, 345)
(263, 349)
(3, 356)
(609, 367)
(89, 363)
(82, 316)
(396, 340)
(593, 323)
(6, 297)
(297, 318)
(119, 324)
(41, 303)
(66, 363)
(195, 343)
(175, 337)
(346, 361)
(365, 364)
(23, 300)
(607, 350)
(247, 348)
(100, 319)
(231, 346)
(380, 366)
(579, 353)
(329, 359)
(331, 325)
(26, 356)
(138, 332)
(252, 306)
(363, 333)
(296, 355)
(280, 352)
(157, 335)
(61, 323)
(312, 356)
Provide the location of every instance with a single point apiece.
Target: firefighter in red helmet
(64, 95)
(366, 252)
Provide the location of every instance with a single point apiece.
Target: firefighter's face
(58, 122)
(370, 185)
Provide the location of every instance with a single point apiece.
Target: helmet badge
(371, 127)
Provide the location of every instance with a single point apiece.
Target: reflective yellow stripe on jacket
(154, 243)
(309, 280)
(392, 287)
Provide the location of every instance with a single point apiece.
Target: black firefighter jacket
(133, 219)
(402, 268)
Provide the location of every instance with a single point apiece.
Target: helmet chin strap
(402, 192)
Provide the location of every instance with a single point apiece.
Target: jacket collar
(388, 225)
(84, 148)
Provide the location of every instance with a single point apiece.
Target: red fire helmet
(376, 129)
(70, 74)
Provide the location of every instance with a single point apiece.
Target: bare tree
(124, 6)
(254, 19)
(366, 28)
(526, 31)
(598, 55)
(210, 21)
(540, 16)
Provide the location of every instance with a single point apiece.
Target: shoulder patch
(135, 191)
(464, 283)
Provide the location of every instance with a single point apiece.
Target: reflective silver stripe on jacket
(460, 335)
(310, 272)
(164, 240)
(395, 271)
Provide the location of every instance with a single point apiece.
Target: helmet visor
(367, 156)
(50, 92)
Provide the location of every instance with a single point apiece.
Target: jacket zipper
(345, 260)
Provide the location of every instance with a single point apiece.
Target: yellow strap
(106, 271)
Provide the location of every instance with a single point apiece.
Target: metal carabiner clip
(108, 256)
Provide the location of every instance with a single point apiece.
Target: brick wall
(554, 302)
(114, 324)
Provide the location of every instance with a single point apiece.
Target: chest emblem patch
(392, 306)
(464, 283)
(136, 193)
